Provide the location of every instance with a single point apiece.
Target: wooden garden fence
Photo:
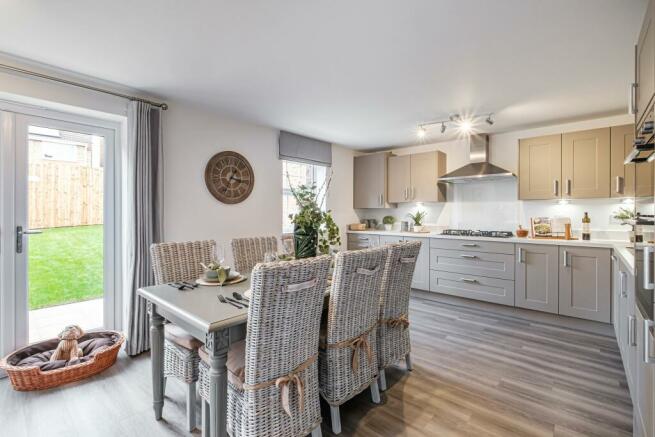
(64, 194)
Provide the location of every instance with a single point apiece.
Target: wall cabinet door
(426, 169)
(399, 178)
(644, 408)
(645, 64)
(421, 279)
(584, 283)
(586, 164)
(540, 167)
(370, 181)
(537, 271)
(622, 175)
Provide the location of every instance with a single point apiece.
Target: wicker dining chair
(393, 325)
(273, 374)
(347, 360)
(249, 251)
(174, 262)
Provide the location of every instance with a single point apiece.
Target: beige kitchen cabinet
(540, 167)
(644, 407)
(584, 283)
(622, 176)
(586, 164)
(413, 178)
(536, 277)
(645, 65)
(370, 181)
(399, 179)
(426, 169)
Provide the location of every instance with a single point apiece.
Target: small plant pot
(388, 227)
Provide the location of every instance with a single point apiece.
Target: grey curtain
(294, 147)
(144, 215)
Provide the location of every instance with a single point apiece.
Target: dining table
(199, 312)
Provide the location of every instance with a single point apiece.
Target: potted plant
(417, 219)
(388, 222)
(314, 229)
(627, 217)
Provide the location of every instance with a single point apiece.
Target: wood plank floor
(477, 373)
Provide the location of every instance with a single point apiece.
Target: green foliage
(418, 217)
(310, 218)
(388, 220)
(624, 214)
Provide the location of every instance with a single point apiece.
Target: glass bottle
(586, 227)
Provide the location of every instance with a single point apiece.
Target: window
(299, 174)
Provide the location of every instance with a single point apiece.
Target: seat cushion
(236, 359)
(180, 337)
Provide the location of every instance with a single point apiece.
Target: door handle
(648, 359)
(648, 285)
(469, 245)
(468, 256)
(624, 288)
(619, 185)
(568, 187)
(555, 187)
(19, 236)
(521, 261)
(633, 98)
(406, 193)
(631, 330)
(566, 258)
(468, 280)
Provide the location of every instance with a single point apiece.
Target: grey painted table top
(199, 307)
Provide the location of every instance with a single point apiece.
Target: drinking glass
(220, 254)
(287, 245)
(270, 256)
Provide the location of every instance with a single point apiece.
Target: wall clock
(229, 177)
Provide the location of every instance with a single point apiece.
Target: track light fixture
(465, 125)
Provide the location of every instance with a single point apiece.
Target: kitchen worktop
(621, 248)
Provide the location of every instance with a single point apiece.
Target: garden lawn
(65, 266)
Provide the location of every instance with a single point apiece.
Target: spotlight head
(490, 120)
(465, 126)
(443, 127)
(455, 117)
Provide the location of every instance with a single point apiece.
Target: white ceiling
(361, 73)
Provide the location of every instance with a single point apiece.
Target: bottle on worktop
(586, 227)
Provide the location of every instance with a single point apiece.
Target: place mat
(236, 280)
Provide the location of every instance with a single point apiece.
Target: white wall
(340, 197)
(495, 204)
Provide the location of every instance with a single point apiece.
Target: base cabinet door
(584, 283)
(537, 272)
(645, 379)
(421, 278)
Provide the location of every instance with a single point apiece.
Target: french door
(60, 234)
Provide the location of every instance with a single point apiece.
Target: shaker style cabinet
(622, 176)
(370, 181)
(586, 164)
(645, 66)
(537, 275)
(540, 167)
(584, 283)
(421, 278)
(644, 407)
(413, 178)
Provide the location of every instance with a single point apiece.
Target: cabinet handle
(633, 98)
(648, 285)
(381, 200)
(568, 187)
(631, 330)
(566, 258)
(648, 359)
(363, 238)
(619, 185)
(613, 258)
(468, 256)
(521, 261)
(468, 280)
(406, 195)
(624, 288)
(555, 187)
(469, 245)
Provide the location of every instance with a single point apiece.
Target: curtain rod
(163, 106)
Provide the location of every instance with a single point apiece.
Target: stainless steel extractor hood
(479, 169)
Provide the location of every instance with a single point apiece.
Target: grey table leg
(157, 360)
(217, 344)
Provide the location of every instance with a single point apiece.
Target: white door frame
(13, 310)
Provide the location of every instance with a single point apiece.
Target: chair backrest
(355, 293)
(284, 316)
(249, 251)
(397, 278)
(172, 262)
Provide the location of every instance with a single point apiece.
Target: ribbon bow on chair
(401, 321)
(283, 384)
(358, 343)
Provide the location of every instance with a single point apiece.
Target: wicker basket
(32, 378)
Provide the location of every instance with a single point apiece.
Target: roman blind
(293, 147)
